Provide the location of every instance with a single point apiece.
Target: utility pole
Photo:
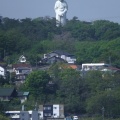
(103, 112)
(110, 60)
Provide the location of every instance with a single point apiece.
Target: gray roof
(26, 93)
(23, 94)
(6, 91)
(60, 52)
(23, 68)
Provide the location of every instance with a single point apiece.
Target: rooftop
(6, 91)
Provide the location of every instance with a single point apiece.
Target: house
(13, 115)
(93, 66)
(44, 112)
(53, 59)
(23, 115)
(29, 115)
(99, 66)
(69, 58)
(51, 111)
(111, 69)
(2, 71)
(6, 94)
(23, 96)
(22, 59)
(22, 70)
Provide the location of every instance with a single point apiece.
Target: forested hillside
(97, 41)
(90, 41)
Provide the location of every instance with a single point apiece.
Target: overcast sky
(85, 10)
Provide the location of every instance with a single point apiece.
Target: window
(23, 59)
(45, 114)
(45, 108)
(49, 114)
(20, 71)
(49, 108)
(61, 108)
(30, 115)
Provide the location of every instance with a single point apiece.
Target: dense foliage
(3, 118)
(97, 41)
(90, 41)
(80, 94)
(36, 83)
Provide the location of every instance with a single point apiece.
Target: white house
(94, 66)
(2, 71)
(22, 70)
(51, 111)
(23, 115)
(22, 59)
(13, 114)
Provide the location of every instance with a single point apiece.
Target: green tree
(106, 30)
(71, 91)
(3, 117)
(37, 82)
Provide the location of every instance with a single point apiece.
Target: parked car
(75, 117)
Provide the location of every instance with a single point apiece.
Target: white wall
(2, 71)
(41, 114)
(93, 66)
(56, 111)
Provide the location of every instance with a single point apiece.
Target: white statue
(61, 8)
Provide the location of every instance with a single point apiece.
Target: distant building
(23, 96)
(45, 112)
(22, 70)
(51, 111)
(53, 59)
(112, 70)
(29, 115)
(94, 66)
(2, 71)
(6, 94)
(23, 115)
(69, 58)
(22, 59)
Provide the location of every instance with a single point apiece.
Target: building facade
(44, 112)
(51, 111)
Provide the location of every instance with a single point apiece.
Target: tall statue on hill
(61, 9)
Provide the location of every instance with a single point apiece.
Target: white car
(75, 117)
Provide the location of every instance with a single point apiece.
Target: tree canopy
(90, 41)
(97, 41)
